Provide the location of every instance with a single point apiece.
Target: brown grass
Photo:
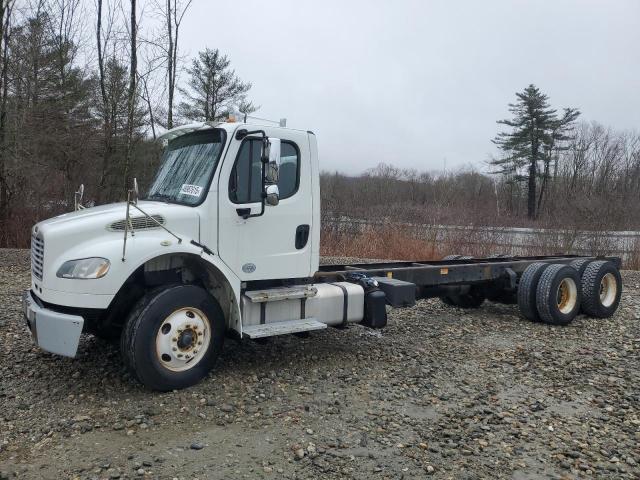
(395, 242)
(385, 242)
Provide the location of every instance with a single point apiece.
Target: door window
(245, 183)
(289, 174)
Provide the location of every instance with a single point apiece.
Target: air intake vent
(37, 255)
(137, 223)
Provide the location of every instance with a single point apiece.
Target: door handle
(302, 236)
(243, 212)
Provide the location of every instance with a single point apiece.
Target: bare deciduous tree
(131, 101)
(5, 29)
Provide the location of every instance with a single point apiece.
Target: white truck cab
(226, 240)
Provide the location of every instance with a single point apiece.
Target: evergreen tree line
(85, 88)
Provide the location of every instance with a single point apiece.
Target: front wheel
(172, 337)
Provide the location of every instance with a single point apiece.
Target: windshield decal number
(191, 190)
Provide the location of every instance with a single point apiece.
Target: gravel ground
(440, 393)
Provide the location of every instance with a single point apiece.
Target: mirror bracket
(270, 158)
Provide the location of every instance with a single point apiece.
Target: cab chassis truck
(227, 241)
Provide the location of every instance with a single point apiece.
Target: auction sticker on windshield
(191, 190)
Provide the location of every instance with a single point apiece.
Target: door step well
(282, 328)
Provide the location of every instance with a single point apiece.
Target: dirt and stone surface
(440, 393)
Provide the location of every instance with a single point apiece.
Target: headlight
(84, 268)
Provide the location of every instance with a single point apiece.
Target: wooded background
(593, 188)
(593, 185)
(86, 87)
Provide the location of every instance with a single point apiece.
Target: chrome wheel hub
(183, 339)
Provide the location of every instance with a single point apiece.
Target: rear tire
(558, 295)
(581, 264)
(526, 296)
(172, 337)
(601, 289)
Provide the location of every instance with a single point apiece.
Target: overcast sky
(413, 82)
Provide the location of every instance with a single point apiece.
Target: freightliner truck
(226, 242)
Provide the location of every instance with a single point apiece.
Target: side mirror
(272, 195)
(271, 160)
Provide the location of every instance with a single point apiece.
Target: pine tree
(536, 133)
(213, 88)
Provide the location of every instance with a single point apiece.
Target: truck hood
(88, 232)
(93, 222)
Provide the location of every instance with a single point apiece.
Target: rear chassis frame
(437, 278)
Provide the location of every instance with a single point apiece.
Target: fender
(144, 247)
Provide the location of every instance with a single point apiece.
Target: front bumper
(52, 331)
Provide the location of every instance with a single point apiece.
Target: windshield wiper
(160, 196)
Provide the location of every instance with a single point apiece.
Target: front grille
(138, 223)
(37, 255)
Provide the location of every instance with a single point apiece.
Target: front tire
(173, 337)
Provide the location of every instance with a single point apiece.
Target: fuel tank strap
(345, 304)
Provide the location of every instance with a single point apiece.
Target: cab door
(276, 244)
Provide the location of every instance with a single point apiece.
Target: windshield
(187, 166)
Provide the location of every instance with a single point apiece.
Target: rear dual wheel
(549, 293)
(527, 290)
(555, 293)
(601, 289)
(558, 294)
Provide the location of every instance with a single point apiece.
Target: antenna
(281, 123)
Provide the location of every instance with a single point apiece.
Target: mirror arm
(242, 133)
